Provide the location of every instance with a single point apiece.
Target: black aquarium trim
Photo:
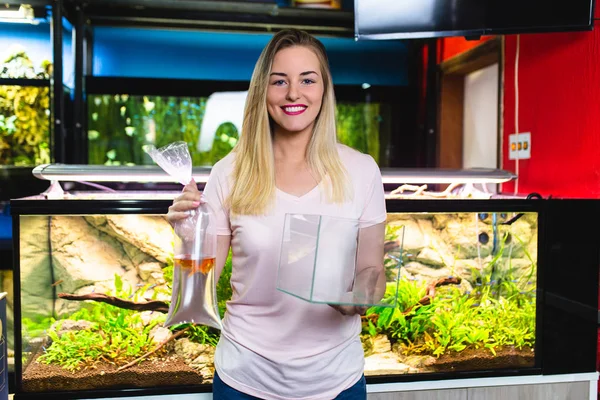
(570, 254)
(462, 206)
(207, 388)
(160, 87)
(24, 82)
(86, 207)
(448, 376)
(114, 393)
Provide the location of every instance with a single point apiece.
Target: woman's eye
(279, 82)
(308, 81)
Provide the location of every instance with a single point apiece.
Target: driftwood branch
(153, 305)
(172, 337)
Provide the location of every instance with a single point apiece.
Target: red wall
(559, 103)
(450, 47)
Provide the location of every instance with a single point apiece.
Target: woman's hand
(189, 200)
(349, 310)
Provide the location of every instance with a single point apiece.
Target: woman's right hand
(188, 200)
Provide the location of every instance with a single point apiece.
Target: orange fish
(193, 265)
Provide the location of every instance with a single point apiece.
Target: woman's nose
(293, 93)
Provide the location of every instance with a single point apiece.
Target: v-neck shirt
(274, 345)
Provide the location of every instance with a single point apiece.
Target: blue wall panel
(146, 53)
(37, 43)
(34, 39)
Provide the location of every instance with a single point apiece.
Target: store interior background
(555, 79)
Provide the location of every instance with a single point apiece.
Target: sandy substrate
(483, 360)
(167, 371)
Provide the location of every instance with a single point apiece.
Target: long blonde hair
(253, 178)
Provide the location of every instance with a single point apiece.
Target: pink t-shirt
(274, 345)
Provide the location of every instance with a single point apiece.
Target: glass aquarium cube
(324, 260)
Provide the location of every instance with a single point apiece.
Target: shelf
(245, 16)
(24, 82)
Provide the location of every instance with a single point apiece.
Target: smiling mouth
(294, 109)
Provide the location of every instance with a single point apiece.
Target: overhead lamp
(111, 173)
(18, 14)
(445, 176)
(151, 173)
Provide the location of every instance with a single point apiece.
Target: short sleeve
(215, 193)
(374, 211)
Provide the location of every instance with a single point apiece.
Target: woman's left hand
(349, 310)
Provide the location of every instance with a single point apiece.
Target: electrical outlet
(519, 146)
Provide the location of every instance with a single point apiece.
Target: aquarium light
(111, 173)
(150, 173)
(22, 14)
(444, 176)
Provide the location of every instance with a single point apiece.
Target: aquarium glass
(24, 112)
(120, 125)
(465, 301)
(330, 260)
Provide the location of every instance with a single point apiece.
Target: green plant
(224, 291)
(499, 312)
(115, 336)
(24, 115)
(120, 125)
(358, 126)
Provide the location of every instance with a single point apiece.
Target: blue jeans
(222, 391)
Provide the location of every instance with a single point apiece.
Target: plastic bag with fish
(194, 297)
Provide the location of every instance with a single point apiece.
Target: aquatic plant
(120, 125)
(499, 312)
(358, 127)
(224, 291)
(24, 115)
(115, 336)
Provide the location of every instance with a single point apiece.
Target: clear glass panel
(466, 298)
(74, 340)
(324, 260)
(24, 125)
(24, 111)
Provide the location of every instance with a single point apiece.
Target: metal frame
(244, 16)
(57, 103)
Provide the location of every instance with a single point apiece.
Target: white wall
(480, 119)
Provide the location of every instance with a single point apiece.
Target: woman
(273, 345)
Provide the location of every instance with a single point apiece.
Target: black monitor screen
(389, 19)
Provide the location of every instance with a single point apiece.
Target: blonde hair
(253, 178)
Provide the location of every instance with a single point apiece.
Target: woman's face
(295, 90)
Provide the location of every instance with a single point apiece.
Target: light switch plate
(519, 146)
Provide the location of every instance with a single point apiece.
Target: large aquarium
(120, 125)
(95, 280)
